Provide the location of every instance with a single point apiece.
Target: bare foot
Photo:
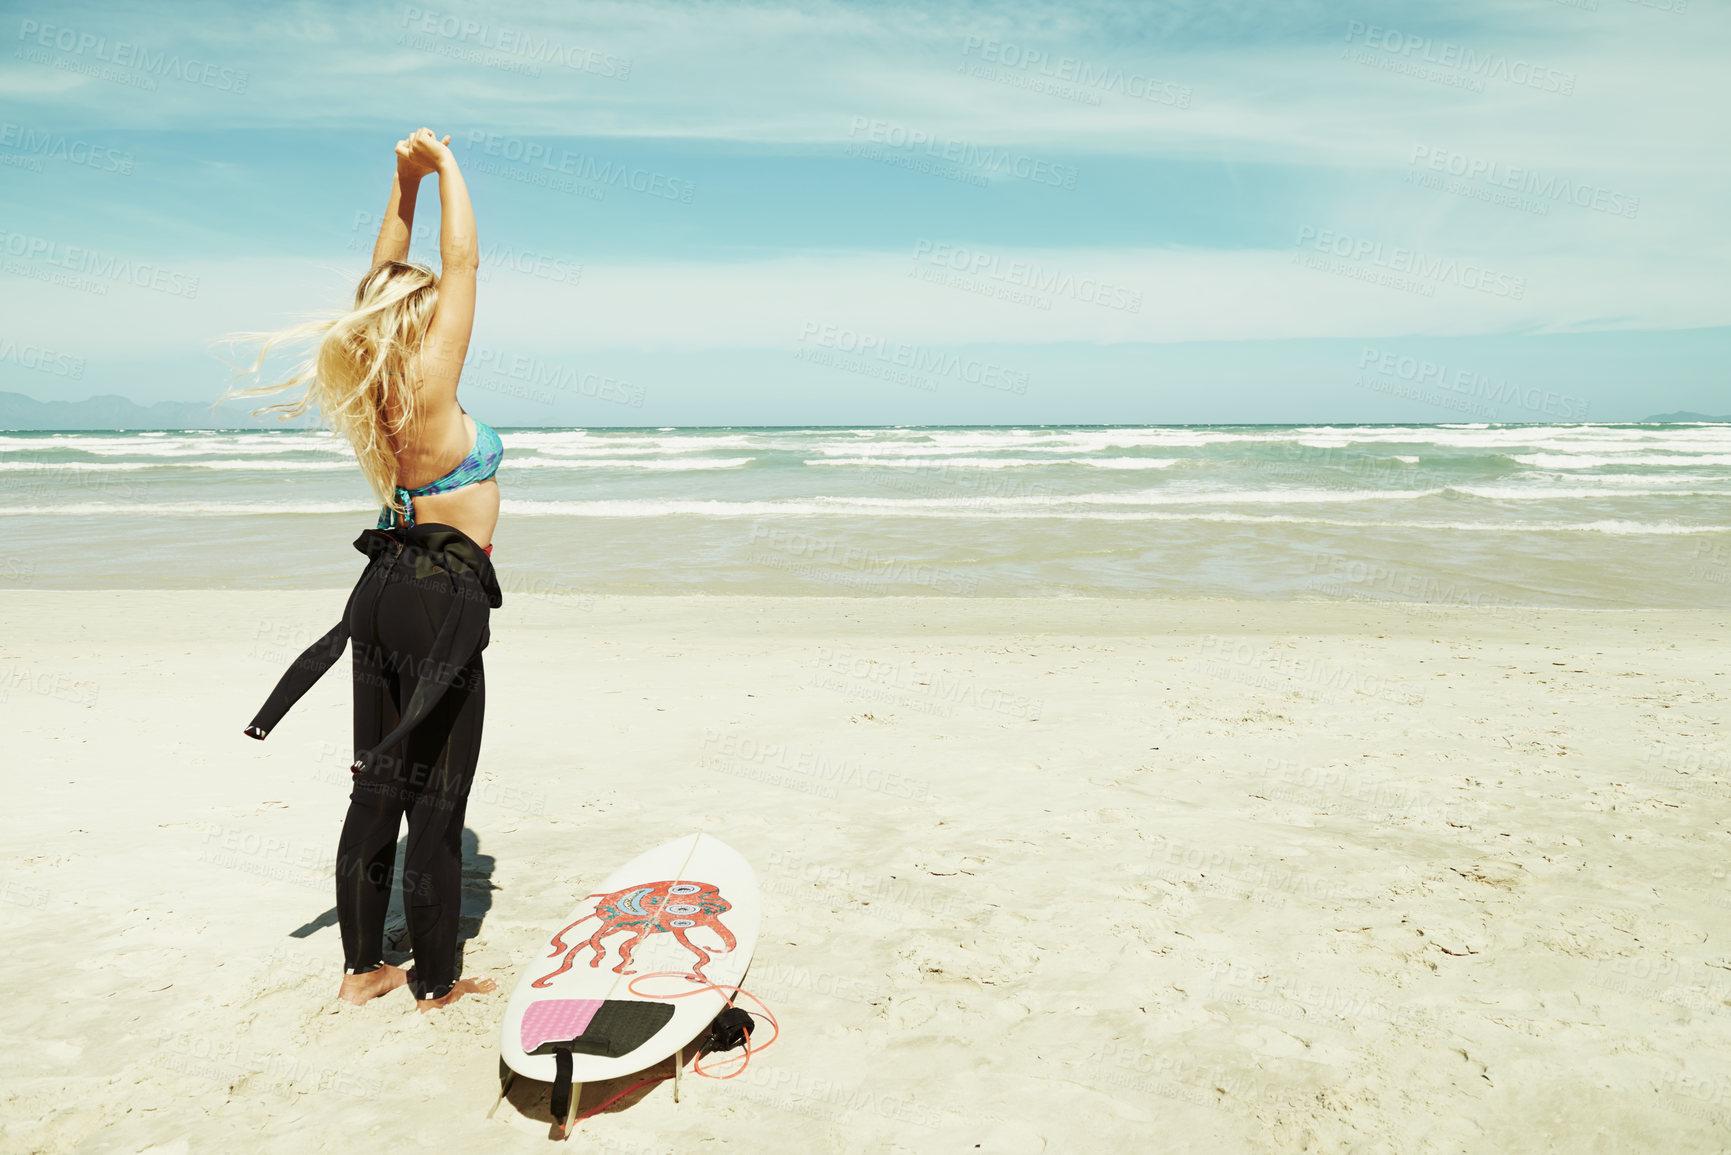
(463, 987)
(358, 989)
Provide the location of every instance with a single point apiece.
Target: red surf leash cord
(743, 1058)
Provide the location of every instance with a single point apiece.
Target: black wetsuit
(418, 618)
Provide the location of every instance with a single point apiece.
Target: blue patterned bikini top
(481, 464)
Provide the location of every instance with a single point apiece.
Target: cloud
(1265, 83)
(1323, 128)
(941, 296)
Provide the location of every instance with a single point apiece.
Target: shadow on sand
(477, 901)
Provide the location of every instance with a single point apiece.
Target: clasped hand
(421, 153)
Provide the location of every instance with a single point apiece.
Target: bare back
(441, 437)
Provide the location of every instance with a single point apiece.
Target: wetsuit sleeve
(299, 678)
(458, 638)
(301, 674)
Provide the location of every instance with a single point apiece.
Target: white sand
(1039, 875)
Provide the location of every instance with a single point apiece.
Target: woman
(385, 375)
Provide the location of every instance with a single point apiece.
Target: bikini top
(481, 464)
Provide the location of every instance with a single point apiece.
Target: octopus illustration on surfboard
(669, 906)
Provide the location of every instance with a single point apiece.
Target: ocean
(1494, 516)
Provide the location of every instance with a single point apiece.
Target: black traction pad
(618, 1028)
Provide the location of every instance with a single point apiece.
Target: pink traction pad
(552, 1020)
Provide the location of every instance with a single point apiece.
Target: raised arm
(398, 225)
(447, 341)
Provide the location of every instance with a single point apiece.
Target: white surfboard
(690, 906)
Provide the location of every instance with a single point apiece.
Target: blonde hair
(365, 366)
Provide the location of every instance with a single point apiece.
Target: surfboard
(690, 906)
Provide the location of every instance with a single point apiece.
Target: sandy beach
(1187, 547)
(1039, 874)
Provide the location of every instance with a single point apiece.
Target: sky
(869, 213)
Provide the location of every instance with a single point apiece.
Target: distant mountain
(112, 411)
(1683, 415)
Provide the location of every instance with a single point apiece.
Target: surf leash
(619, 1096)
(744, 1057)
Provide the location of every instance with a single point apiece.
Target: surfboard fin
(561, 1104)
